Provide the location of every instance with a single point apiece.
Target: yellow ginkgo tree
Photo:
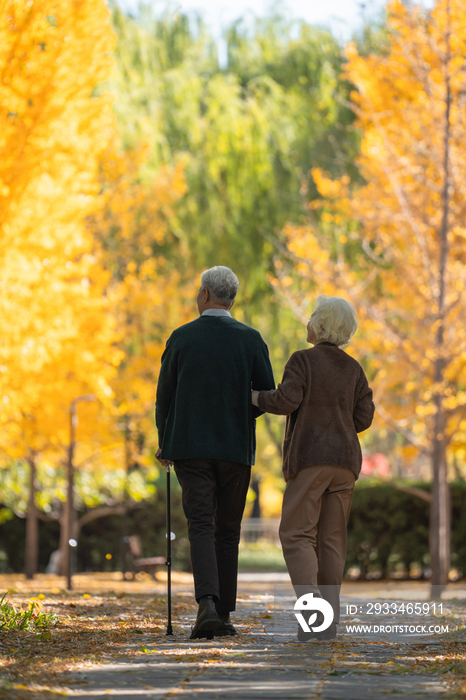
(58, 333)
(395, 246)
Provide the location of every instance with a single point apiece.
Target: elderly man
(206, 427)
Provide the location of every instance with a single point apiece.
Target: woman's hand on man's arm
(288, 395)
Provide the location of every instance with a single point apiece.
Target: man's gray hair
(222, 284)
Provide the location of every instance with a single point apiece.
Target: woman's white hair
(222, 284)
(334, 320)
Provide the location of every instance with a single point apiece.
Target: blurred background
(312, 147)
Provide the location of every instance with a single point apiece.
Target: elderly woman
(325, 395)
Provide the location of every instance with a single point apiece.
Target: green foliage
(93, 486)
(372, 37)
(386, 525)
(261, 556)
(306, 62)
(5, 515)
(248, 133)
(14, 485)
(388, 529)
(31, 620)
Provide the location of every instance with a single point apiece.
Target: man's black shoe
(207, 620)
(226, 627)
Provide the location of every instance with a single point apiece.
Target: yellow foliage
(57, 333)
(407, 286)
(149, 295)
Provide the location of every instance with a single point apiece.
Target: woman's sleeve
(364, 407)
(289, 393)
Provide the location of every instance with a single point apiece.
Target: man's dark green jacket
(203, 407)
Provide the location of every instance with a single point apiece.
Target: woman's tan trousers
(316, 507)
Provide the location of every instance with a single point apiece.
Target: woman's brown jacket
(327, 400)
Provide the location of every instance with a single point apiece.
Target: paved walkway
(265, 661)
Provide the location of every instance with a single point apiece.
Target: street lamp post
(70, 541)
(124, 538)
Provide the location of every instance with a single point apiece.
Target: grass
(15, 618)
(260, 556)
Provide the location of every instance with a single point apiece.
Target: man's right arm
(166, 387)
(262, 374)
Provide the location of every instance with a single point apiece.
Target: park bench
(149, 565)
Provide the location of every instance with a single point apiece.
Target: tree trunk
(439, 521)
(256, 506)
(440, 508)
(32, 526)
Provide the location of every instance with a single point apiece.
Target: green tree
(248, 133)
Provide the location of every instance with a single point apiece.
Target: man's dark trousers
(214, 494)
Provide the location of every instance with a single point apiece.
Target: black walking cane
(169, 556)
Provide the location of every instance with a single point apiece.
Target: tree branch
(103, 512)
(413, 490)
